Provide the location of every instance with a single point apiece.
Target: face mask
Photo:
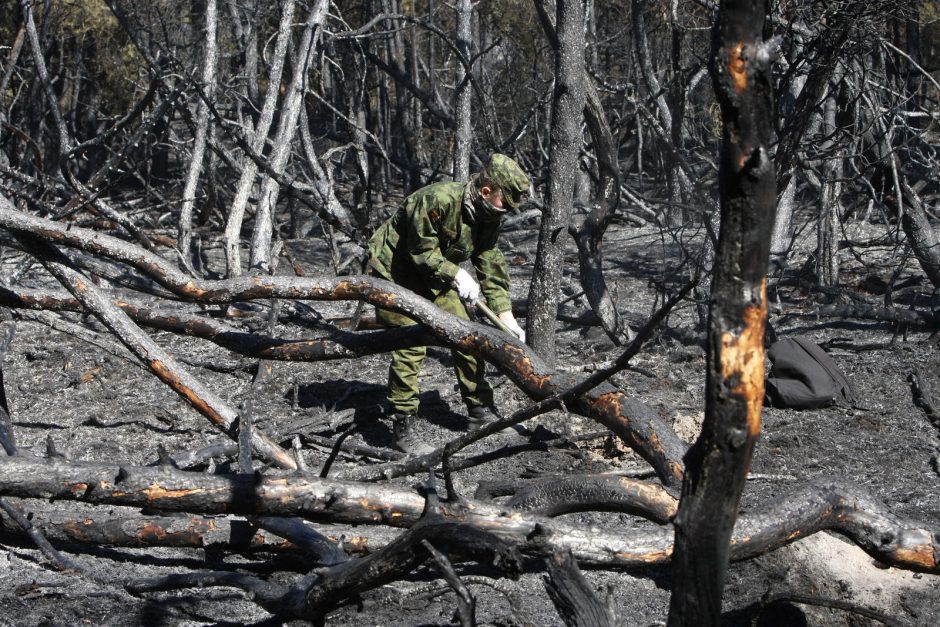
(480, 207)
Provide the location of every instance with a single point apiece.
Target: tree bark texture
(718, 462)
(463, 97)
(567, 106)
(590, 232)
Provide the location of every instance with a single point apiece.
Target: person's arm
(491, 268)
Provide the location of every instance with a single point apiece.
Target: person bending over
(421, 248)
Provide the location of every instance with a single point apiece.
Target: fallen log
(217, 533)
(160, 362)
(325, 589)
(636, 423)
(822, 505)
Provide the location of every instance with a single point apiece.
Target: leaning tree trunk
(718, 462)
(920, 234)
(233, 224)
(567, 105)
(287, 128)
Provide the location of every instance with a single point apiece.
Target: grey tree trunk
(921, 235)
(287, 128)
(567, 107)
(185, 227)
(827, 226)
(463, 95)
(783, 224)
(246, 181)
(680, 187)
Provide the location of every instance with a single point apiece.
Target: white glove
(466, 286)
(510, 321)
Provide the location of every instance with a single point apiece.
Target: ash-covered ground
(97, 406)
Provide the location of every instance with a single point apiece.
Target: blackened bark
(573, 596)
(718, 462)
(823, 505)
(567, 105)
(590, 232)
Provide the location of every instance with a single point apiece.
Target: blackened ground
(97, 406)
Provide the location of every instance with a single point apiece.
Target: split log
(821, 505)
(635, 422)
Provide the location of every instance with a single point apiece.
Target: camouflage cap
(512, 181)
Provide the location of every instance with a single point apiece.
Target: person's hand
(466, 286)
(510, 321)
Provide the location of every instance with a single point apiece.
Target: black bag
(803, 376)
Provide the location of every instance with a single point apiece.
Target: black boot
(405, 438)
(480, 415)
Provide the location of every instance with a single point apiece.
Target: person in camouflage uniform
(420, 248)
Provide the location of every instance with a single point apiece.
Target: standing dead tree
(567, 106)
(718, 462)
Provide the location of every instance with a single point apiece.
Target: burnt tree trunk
(590, 232)
(717, 463)
(567, 105)
(462, 100)
(184, 230)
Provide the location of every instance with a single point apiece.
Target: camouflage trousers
(406, 363)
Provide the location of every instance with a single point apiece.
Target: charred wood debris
(268, 503)
(285, 510)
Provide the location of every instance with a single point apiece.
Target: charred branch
(573, 596)
(160, 362)
(824, 505)
(639, 425)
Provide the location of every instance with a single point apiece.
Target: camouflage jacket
(421, 246)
